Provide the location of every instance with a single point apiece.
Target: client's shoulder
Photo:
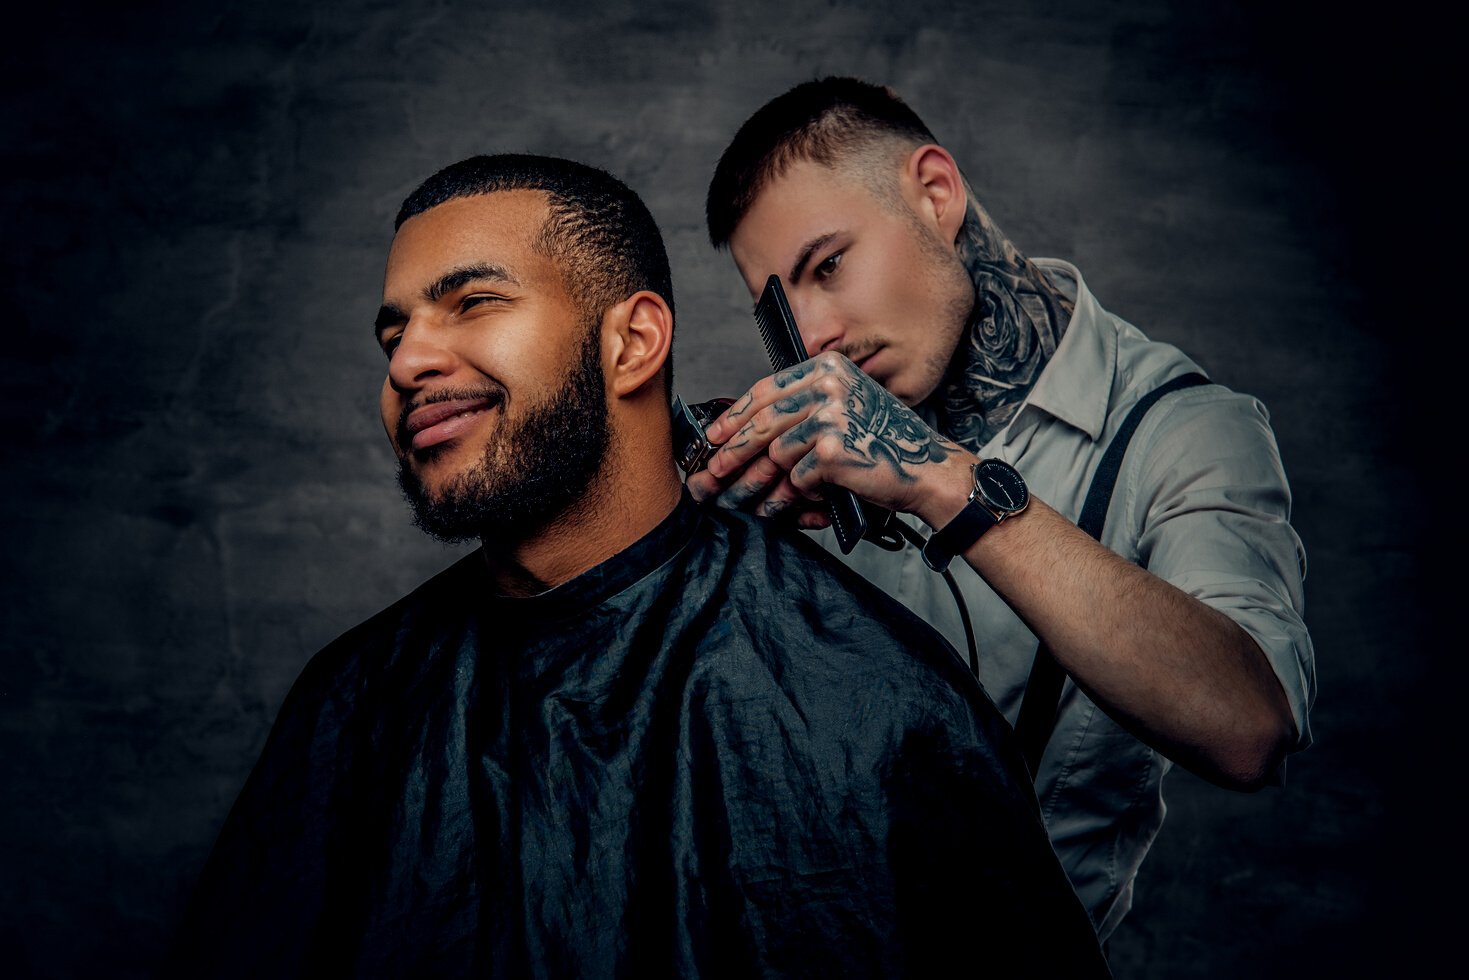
(811, 609)
(799, 571)
(797, 636)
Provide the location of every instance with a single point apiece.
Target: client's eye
(478, 299)
(828, 266)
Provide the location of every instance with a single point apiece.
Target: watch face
(1001, 487)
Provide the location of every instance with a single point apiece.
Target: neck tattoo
(1017, 322)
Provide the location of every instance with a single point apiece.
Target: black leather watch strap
(956, 536)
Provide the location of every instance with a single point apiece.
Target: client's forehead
(498, 229)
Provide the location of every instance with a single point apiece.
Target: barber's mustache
(491, 393)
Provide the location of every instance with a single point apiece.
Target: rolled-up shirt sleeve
(1210, 505)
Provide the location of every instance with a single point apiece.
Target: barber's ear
(637, 335)
(932, 176)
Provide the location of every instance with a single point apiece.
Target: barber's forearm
(1179, 674)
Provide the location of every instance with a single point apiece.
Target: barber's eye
(829, 265)
(391, 344)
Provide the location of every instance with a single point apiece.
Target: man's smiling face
(494, 399)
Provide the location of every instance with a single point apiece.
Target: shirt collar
(1076, 386)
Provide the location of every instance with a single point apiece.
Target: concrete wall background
(197, 204)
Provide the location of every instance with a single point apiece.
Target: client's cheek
(391, 413)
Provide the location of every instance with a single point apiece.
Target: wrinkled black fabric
(717, 754)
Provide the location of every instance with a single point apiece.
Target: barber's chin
(912, 387)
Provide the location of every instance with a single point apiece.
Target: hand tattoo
(881, 429)
(773, 508)
(736, 410)
(792, 374)
(1018, 320)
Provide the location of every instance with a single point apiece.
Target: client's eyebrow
(464, 275)
(389, 315)
(799, 266)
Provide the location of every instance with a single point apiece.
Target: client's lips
(442, 421)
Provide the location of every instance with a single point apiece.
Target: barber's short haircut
(597, 231)
(837, 122)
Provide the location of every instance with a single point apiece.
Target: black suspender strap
(1043, 691)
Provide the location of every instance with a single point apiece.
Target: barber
(960, 383)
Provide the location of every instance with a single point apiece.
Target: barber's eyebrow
(799, 266)
(389, 315)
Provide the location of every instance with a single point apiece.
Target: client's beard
(533, 470)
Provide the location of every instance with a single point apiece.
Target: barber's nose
(419, 357)
(821, 328)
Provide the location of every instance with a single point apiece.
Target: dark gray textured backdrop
(197, 205)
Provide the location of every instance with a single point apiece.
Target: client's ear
(637, 335)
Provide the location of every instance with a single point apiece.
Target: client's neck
(636, 488)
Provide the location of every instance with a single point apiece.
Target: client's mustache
(492, 394)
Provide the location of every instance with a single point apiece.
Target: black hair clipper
(851, 519)
(690, 448)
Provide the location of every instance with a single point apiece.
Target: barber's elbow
(1259, 727)
(1252, 757)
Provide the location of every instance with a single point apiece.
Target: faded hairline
(872, 159)
(875, 163)
(845, 124)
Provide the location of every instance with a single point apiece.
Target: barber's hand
(824, 422)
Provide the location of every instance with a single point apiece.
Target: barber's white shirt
(1201, 501)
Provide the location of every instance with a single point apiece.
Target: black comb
(783, 344)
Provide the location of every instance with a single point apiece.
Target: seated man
(625, 737)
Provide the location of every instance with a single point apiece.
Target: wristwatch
(999, 492)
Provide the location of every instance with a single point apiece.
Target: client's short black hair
(829, 120)
(598, 230)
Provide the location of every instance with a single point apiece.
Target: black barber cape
(720, 753)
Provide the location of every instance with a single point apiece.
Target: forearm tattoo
(1017, 322)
